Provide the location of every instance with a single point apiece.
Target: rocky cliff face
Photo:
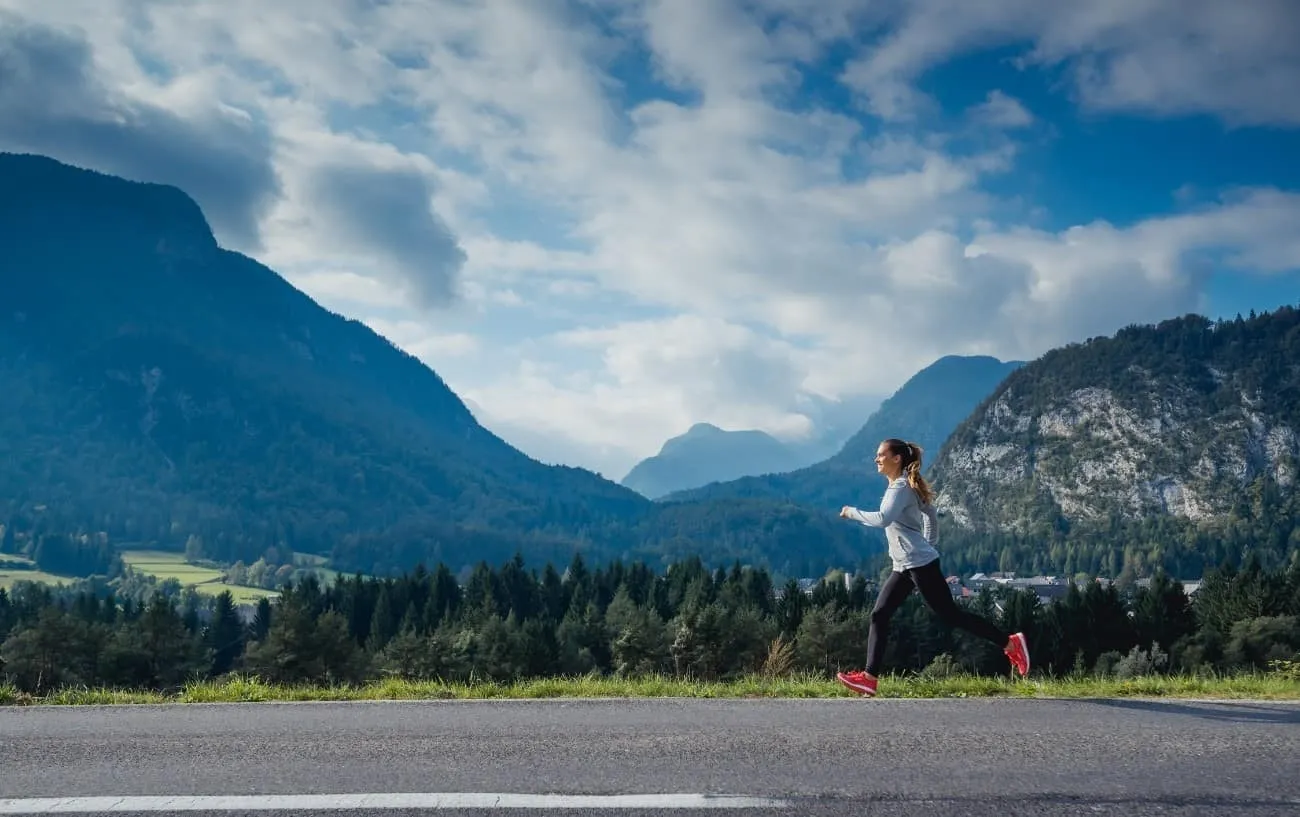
(1185, 420)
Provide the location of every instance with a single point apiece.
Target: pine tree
(1162, 613)
(790, 608)
(383, 622)
(225, 635)
(174, 653)
(262, 616)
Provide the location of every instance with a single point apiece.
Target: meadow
(164, 565)
(9, 577)
(160, 564)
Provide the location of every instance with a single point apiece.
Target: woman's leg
(934, 589)
(892, 595)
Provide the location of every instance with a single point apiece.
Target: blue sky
(602, 221)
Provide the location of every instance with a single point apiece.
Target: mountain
(155, 387)
(706, 453)
(147, 368)
(924, 410)
(1173, 444)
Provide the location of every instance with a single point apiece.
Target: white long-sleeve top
(911, 528)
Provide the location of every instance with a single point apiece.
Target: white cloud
(706, 245)
(364, 205)
(432, 348)
(1093, 279)
(655, 379)
(714, 48)
(1002, 111)
(1168, 57)
(343, 290)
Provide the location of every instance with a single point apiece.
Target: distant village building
(1046, 588)
(1189, 586)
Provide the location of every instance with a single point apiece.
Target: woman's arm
(891, 505)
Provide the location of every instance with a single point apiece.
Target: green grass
(160, 564)
(1277, 686)
(8, 578)
(165, 565)
(240, 593)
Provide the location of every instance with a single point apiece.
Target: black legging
(929, 580)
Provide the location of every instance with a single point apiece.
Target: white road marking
(396, 800)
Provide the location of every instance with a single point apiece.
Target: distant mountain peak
(701, 429)
(706, 453)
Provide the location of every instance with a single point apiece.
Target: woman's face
(888, 463)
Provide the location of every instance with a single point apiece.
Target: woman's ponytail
(913, 470)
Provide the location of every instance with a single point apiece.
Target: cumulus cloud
(390, 210)
(1016, 292)
(654, 378)
(1095, 278)
(52, 102)
(414, 336)
(1002, 111)
(1237, 62)
(721, 367)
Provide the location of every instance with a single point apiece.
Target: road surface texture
(671, 756)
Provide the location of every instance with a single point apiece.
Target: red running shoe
(1017, 651)
(859, 682)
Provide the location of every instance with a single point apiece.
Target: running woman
(912, 529)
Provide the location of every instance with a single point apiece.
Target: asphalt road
(838, 756)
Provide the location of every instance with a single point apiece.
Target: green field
(8, 578)
(160, 564)
(165, 565)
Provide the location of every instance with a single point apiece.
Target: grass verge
(1251, 686)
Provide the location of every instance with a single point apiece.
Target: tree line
(511, 622)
